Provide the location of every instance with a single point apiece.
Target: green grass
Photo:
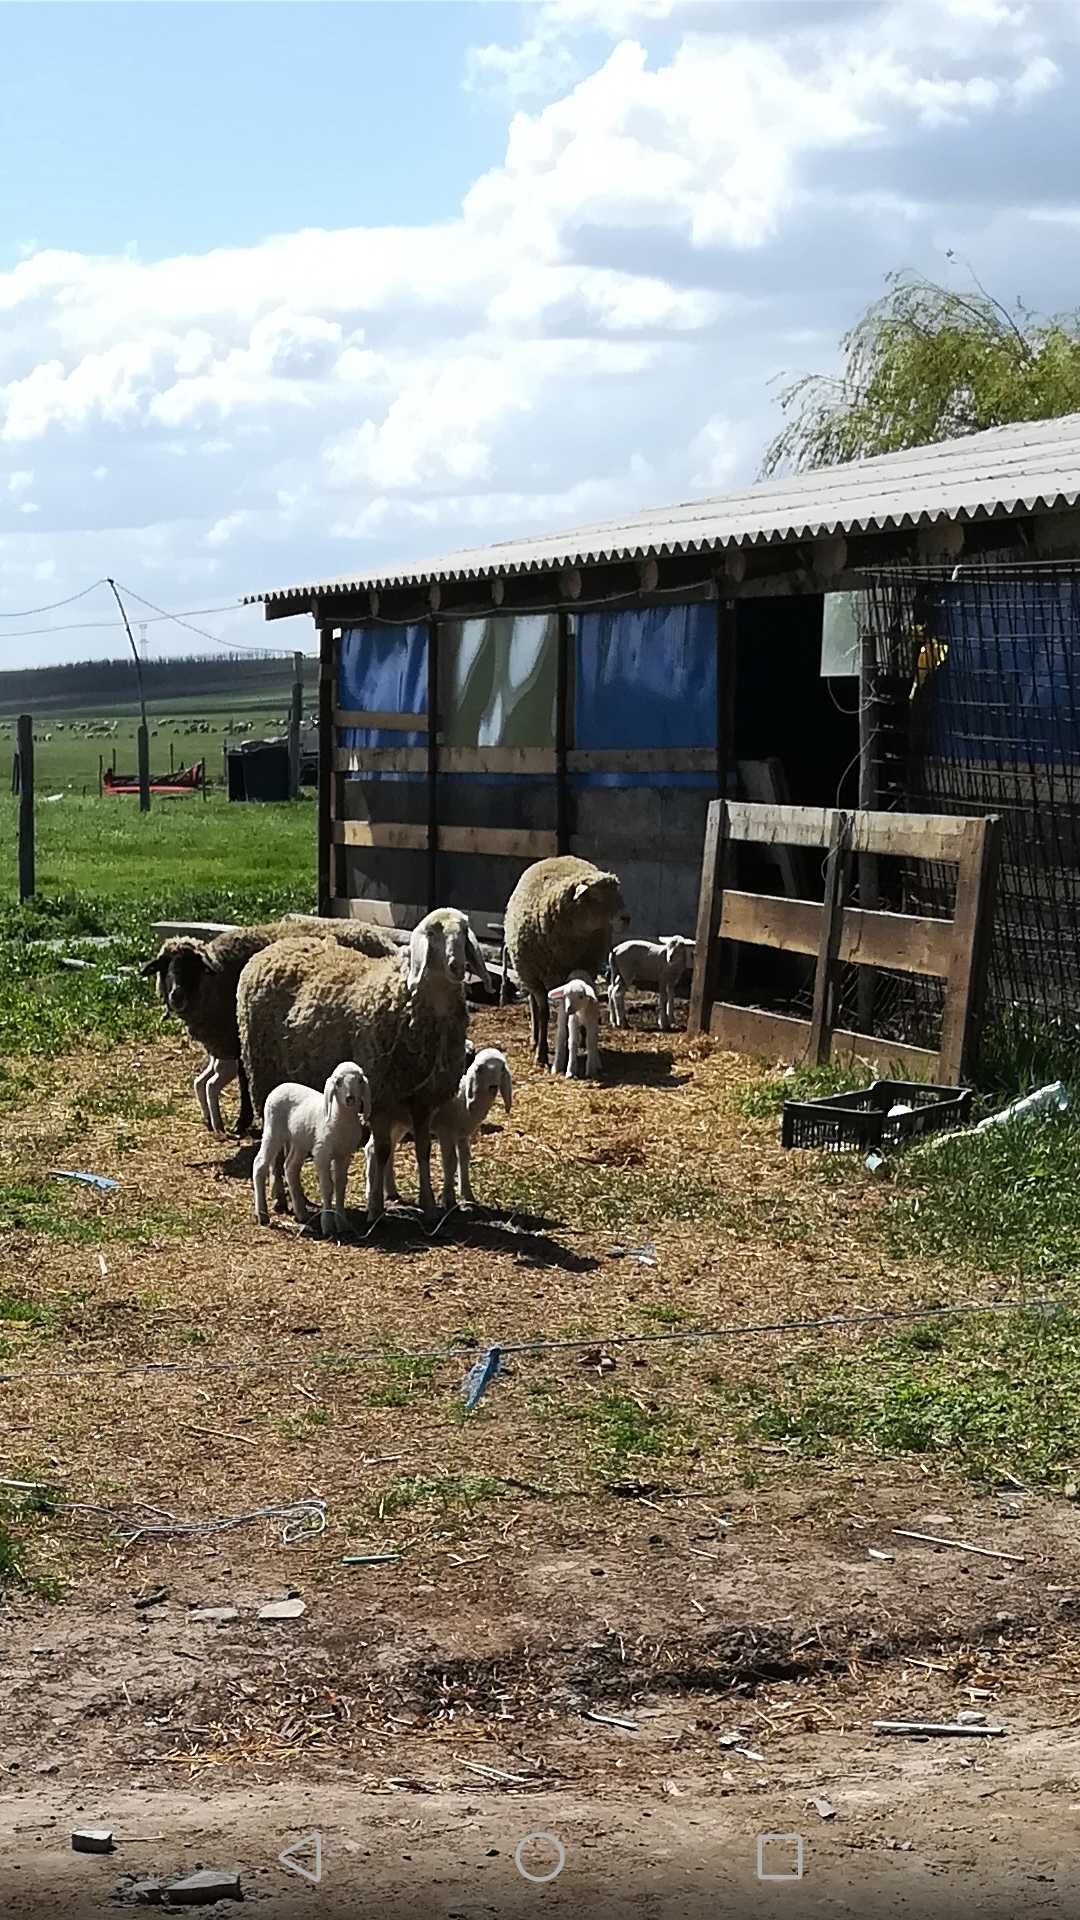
(765, 1099)
(105, 869)
(18, 1514)
(405, 1376)
(445, 1493)
(1006, 1201)
(615, 1198)
(62, 1212)
(621, 1431)
(68, 760)
(1022, 1049)
(991, 1394)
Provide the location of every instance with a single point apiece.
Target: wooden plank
(381, 760)
(765, 782)
(710, 910)
(433, 764)
(972, 927)
(325, 887)
(523, 760)
(563, 642)
(776, 1036)
(399, 837)
(919, 836)
(389, 722)
(642, 760)
(869, 895)
(903, 942)
(836, 879)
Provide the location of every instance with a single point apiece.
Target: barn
(592, 691)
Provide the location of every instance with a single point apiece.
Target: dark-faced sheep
(560, 921)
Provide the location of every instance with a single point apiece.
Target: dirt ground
(544, 1585)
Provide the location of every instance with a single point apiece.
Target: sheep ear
(480, 965)
(419, 956)
(328, 1096)
(157, 965)
(581, 889)
(506, 1086)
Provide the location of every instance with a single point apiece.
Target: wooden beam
(328, 721)
(564, 643)
(710, 910)
(836, 879)
(523, 760)
(776, 1036)
(918, 836)
(973, 917)
(388, 722)
(433, 764)
(903, 942)
(401, 837)
(381, 760)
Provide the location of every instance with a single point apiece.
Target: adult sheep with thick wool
(304, 1005)
(559, 922)
(197, 982)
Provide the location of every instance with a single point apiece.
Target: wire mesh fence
(976, 709)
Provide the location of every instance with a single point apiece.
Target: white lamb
(653, 963)
(486, 1078)
(578, 1011)
(327, 1128)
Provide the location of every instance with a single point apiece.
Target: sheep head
(488, 1077)
(348, 1087)
(181, 967)
(597, 903)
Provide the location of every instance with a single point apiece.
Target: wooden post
(726, 656)
(100, 775)
(296, 714)
(202, 782)
(433, 764)
(710, 911)
(836, 879)
(25, 736)
(562, 731)
(973, 925)
(172, 758)
(143, 738)
(868, 865)
(327, 744)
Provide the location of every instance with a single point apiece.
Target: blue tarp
(383, 670)
(1006, 688)
(646, 678)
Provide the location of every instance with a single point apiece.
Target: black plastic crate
(843, 1122)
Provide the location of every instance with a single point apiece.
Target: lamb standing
(486, 1078)
(326, 1128)
(559, 922)
(578, 1028)
(305, 1004)
(655, 963)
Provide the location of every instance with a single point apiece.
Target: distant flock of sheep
(341, 1039)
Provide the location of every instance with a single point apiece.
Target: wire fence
(976, 710)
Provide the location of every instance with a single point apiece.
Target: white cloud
(687, 198)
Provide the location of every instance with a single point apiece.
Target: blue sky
(292, 290)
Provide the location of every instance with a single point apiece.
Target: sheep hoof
(281, 1206)
(312, 1229)
(262, 1219)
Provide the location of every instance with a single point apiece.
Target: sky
(292, 290)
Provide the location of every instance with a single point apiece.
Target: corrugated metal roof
(1030, 467)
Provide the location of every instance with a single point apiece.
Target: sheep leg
(224, 1073)
(379, 1149)
(258, 1181)
(426, 1192)
(592, 1046)
(200, 1084)
(616, 1001)
(246, 1116)
(341, 1181)
(540, 1028)
(281, 1204)
(390, 1185)
(293, 1163)
(467, 1193)
(562, 1040)
(448, 1153)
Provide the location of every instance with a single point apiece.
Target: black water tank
(259, 770)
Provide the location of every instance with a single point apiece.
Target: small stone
(214, 1616)
(92, 1840)
(200, 1889)
(282, 1610)
(152, 1599)
(48, 1767)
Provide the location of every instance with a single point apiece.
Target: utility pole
(296, 716)
(144, 731)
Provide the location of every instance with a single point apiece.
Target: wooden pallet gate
(955, 951)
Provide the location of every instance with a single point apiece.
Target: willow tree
(929, 363)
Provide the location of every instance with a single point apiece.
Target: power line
(28, 613)
(201, 631)
(110, 626)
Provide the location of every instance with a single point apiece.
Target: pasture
(675, 1531)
